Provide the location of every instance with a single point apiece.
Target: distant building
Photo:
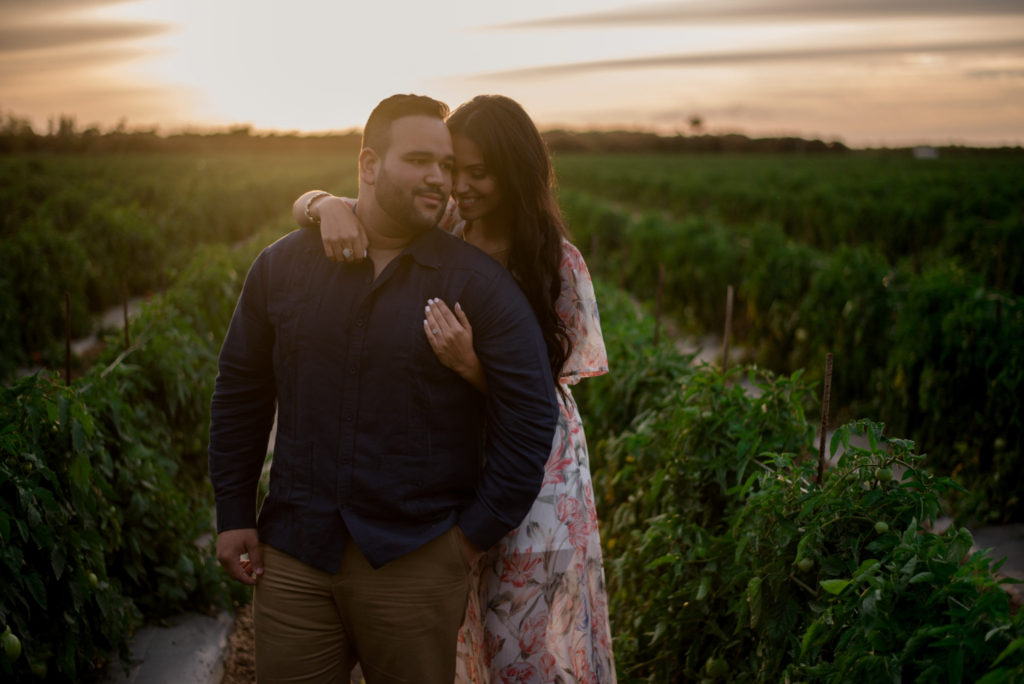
(926, 152)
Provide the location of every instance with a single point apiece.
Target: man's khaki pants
(399, 622)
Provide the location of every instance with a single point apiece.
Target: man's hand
(231, 545)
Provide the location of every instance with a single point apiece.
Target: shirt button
(348, 417)
(360, 322)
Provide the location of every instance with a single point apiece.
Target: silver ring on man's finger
(347, 253)
(434, 331)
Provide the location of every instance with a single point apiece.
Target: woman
(540, 612)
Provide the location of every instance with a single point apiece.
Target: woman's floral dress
(539, 611)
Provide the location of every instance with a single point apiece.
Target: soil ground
(239, 661)
(239, 664)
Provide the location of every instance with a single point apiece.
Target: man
(385, 481)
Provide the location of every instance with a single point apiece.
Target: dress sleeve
(577, 306)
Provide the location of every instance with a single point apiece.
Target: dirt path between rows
(240, 663)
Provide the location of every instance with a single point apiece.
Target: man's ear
(369, 165)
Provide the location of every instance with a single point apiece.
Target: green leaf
(834, 586)
(661, 560)
(808, 638)
(36, 588)
(865, 568)
(922, 577)
(58, 559)
(999, 676)
(955, 666)
(1014, 646)
(80, 471)
(704, 588)
(659, 630)
(754, 600)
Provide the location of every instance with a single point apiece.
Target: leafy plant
(105, 506)
(727, 560)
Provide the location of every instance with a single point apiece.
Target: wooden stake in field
(824, 417)
(124, 301)
(999, 282)
(728, 328)
(657, 302)
(67, 338)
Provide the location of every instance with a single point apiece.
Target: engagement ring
(434, 331)
(347, 253)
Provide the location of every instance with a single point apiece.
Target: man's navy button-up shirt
(375, 436)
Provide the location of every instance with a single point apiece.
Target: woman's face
(475, 186)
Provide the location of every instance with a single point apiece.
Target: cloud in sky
(847, 68)
(28, 66)
(14, 39)
(1013, 47)
(788, 10)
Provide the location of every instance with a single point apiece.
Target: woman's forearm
(305, 210)
(474, 375)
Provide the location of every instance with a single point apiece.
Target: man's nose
(438, 174)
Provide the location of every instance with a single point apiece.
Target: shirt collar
(429, 248)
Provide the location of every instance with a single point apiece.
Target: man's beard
(398, 204)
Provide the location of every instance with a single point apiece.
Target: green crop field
(911, 272)
(726, 557)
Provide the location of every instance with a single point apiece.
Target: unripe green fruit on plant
(12, 645)
(93, 579)
(805, 564)
(881, 527)
(883, 474)
(717, 668)
(38, 669)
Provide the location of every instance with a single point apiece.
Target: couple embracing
(430, 513)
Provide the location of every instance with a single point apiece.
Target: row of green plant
(69, 224)
(112, 471)
(964, 207)
(936, 356)
(105, 504)
(727, 560)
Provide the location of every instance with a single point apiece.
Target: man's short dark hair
(377, 132)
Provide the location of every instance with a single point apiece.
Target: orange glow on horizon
(318, 66)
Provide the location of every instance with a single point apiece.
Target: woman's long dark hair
(515, 153)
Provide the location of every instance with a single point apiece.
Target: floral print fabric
(538, 609)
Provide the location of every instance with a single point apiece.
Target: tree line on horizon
(65, 135)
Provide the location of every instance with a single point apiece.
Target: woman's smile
(475, 186)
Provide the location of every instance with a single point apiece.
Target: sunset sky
(867, 72)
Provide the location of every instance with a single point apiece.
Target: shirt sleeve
(522, 410)
(577, 307)
(242, 408)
